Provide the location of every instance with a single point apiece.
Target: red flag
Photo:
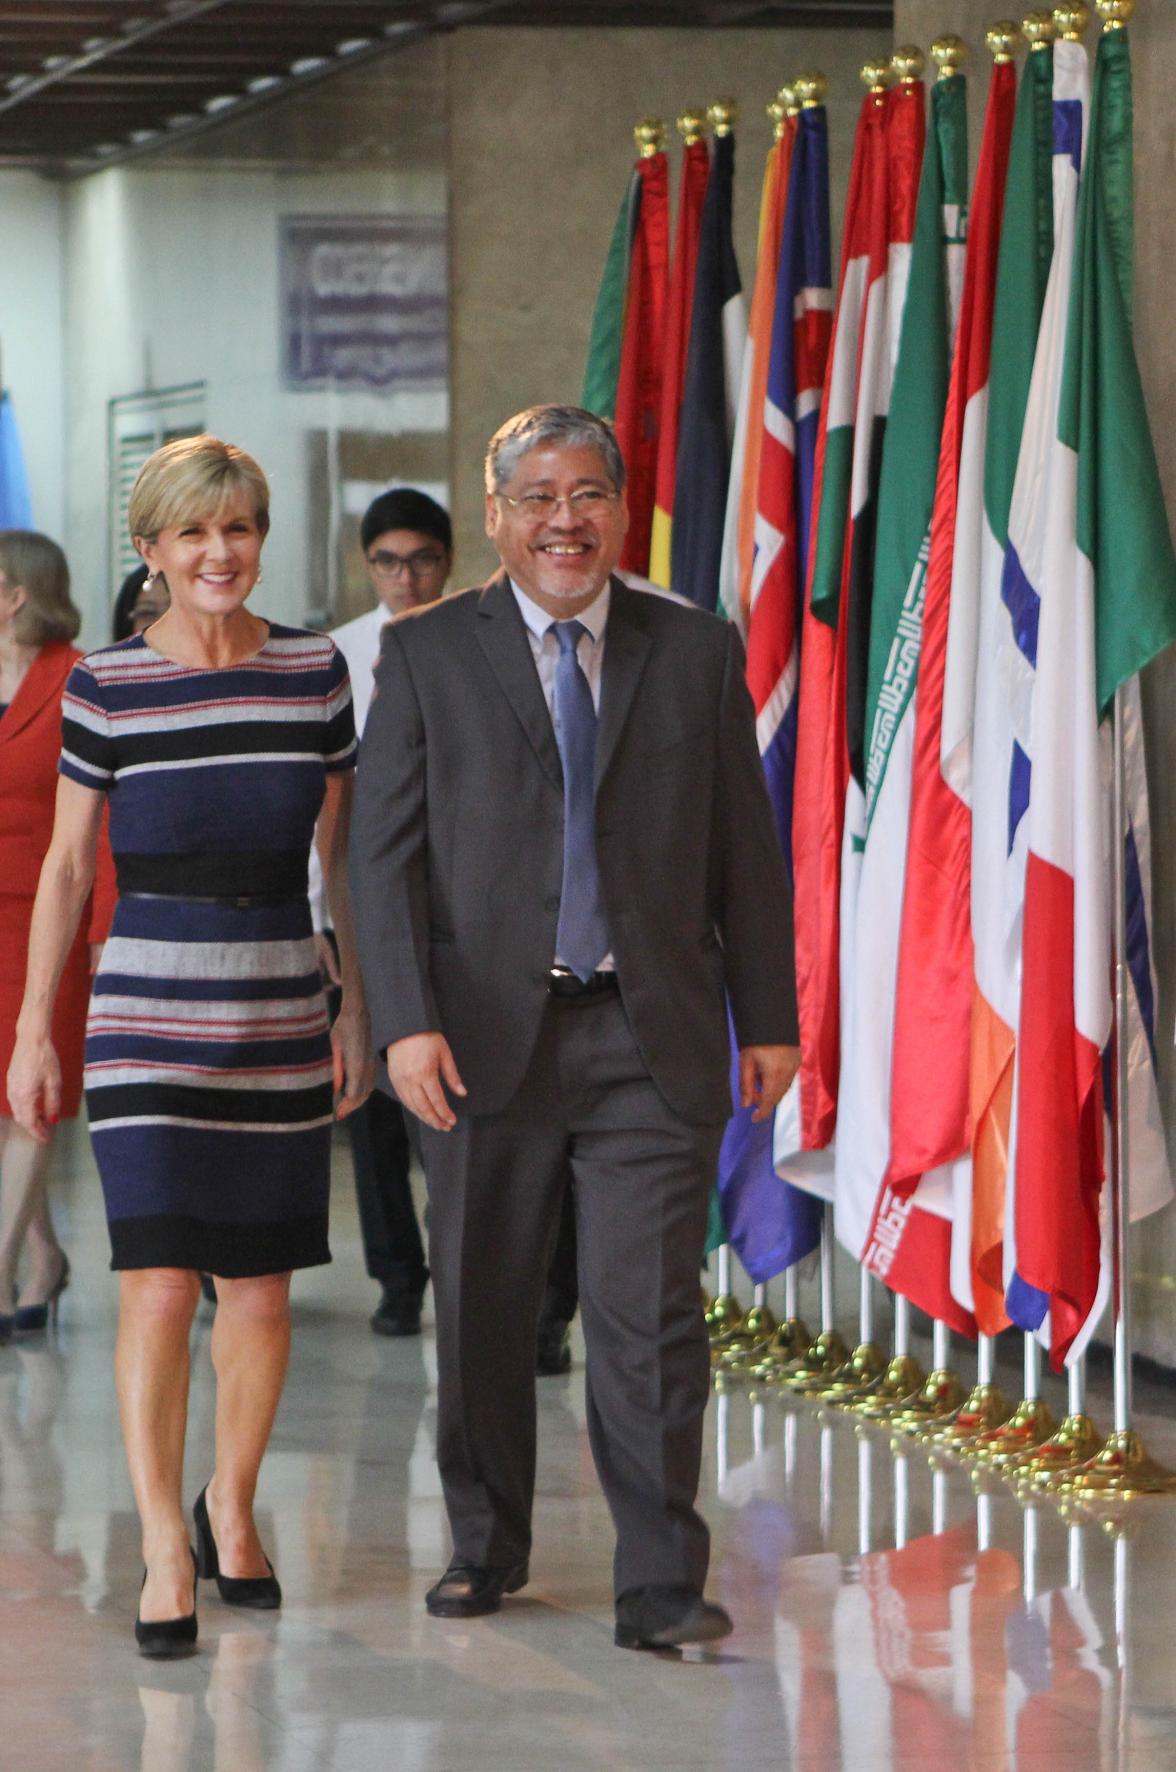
(639, 387)
(691, 194)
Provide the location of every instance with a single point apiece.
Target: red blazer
(30, 744)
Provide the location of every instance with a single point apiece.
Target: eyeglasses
(387, 565)
(589, 501)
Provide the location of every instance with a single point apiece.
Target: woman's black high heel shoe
(260, 1592)
(28, 1319)
(166, 1638)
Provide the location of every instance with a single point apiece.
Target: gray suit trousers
(587, 1113)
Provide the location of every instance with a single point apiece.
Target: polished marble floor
(888, 1619)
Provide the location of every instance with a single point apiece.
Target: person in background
(407, 541)
(140, 601)
(37, 624)
(224, 744)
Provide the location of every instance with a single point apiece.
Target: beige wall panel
(540, 146)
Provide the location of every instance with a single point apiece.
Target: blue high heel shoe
(29, 1319)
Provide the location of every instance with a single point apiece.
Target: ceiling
(86, 84)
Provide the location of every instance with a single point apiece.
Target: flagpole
(903, 1378)
(1028, 1427)
(810, 1375)
(1123, 1469)
(982, 1410)
(865, 1366)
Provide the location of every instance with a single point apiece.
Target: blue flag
(16, 511)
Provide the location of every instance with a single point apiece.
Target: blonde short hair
(39, 566)
(193, 477)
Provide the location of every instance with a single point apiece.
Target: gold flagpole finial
(949, 55)
(778, 113)
(787, 96)
(811, 89)
(1115, 14)
(878, 76)
(908, 64)
(723, 116)
(1002, 39)
(692, 127)
(1071, 20)
(1039, 29)
(650, 136)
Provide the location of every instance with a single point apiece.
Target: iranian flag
(1104, 579)
(1002, 682)
(929, 1123)
(738, 555)
(906, 1241)
(875, 249)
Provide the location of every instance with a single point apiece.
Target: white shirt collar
(594, 617)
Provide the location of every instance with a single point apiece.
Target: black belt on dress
(569, 987)
(240, 901)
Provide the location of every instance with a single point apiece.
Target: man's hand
(765, 1073)
(420, 1069)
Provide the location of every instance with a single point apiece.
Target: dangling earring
(149, 581)
(260, 576)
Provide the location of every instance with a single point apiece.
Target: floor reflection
(889, 1619)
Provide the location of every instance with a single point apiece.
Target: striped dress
(208, 1062)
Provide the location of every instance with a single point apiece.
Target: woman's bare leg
(151, 1368)
(24, 1174)
(250, 1351)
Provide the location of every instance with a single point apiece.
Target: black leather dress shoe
(553, 1350)
(398, 1313)
(468, 1591)
(666, 1617)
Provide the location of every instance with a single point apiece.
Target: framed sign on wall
(364, 301)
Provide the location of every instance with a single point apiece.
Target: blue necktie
(581, 939)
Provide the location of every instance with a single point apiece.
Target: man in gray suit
(565, 867)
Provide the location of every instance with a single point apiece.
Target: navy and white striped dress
(208, 1062)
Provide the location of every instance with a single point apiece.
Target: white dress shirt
(359, 642)
(545, 652)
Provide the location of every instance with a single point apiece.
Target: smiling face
(210, 563)
(560, 558)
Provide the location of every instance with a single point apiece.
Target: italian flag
(906, 1242)
(1105, 580)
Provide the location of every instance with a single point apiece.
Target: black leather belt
(243, 901)
(568, 987)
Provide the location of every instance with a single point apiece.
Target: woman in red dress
(37, 623)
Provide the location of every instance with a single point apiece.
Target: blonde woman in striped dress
(220, 741)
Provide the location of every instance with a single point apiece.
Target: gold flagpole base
(900, 1382)
(865, 1366)
(941, 1396)
(1029, 1426)
(983, 1409)
(790, 1341)
(725, 1313)
(751, 1337)
(1122, 1471)
(814, 1369)
(1076, 1442)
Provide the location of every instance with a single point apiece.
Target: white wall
(31, 347)
(172, 277)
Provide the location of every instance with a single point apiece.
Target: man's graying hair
(569, 427)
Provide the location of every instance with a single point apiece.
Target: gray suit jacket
(457, 846)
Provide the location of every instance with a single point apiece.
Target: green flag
(603, 368)
(1122, 526)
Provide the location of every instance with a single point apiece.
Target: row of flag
(932, 506)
